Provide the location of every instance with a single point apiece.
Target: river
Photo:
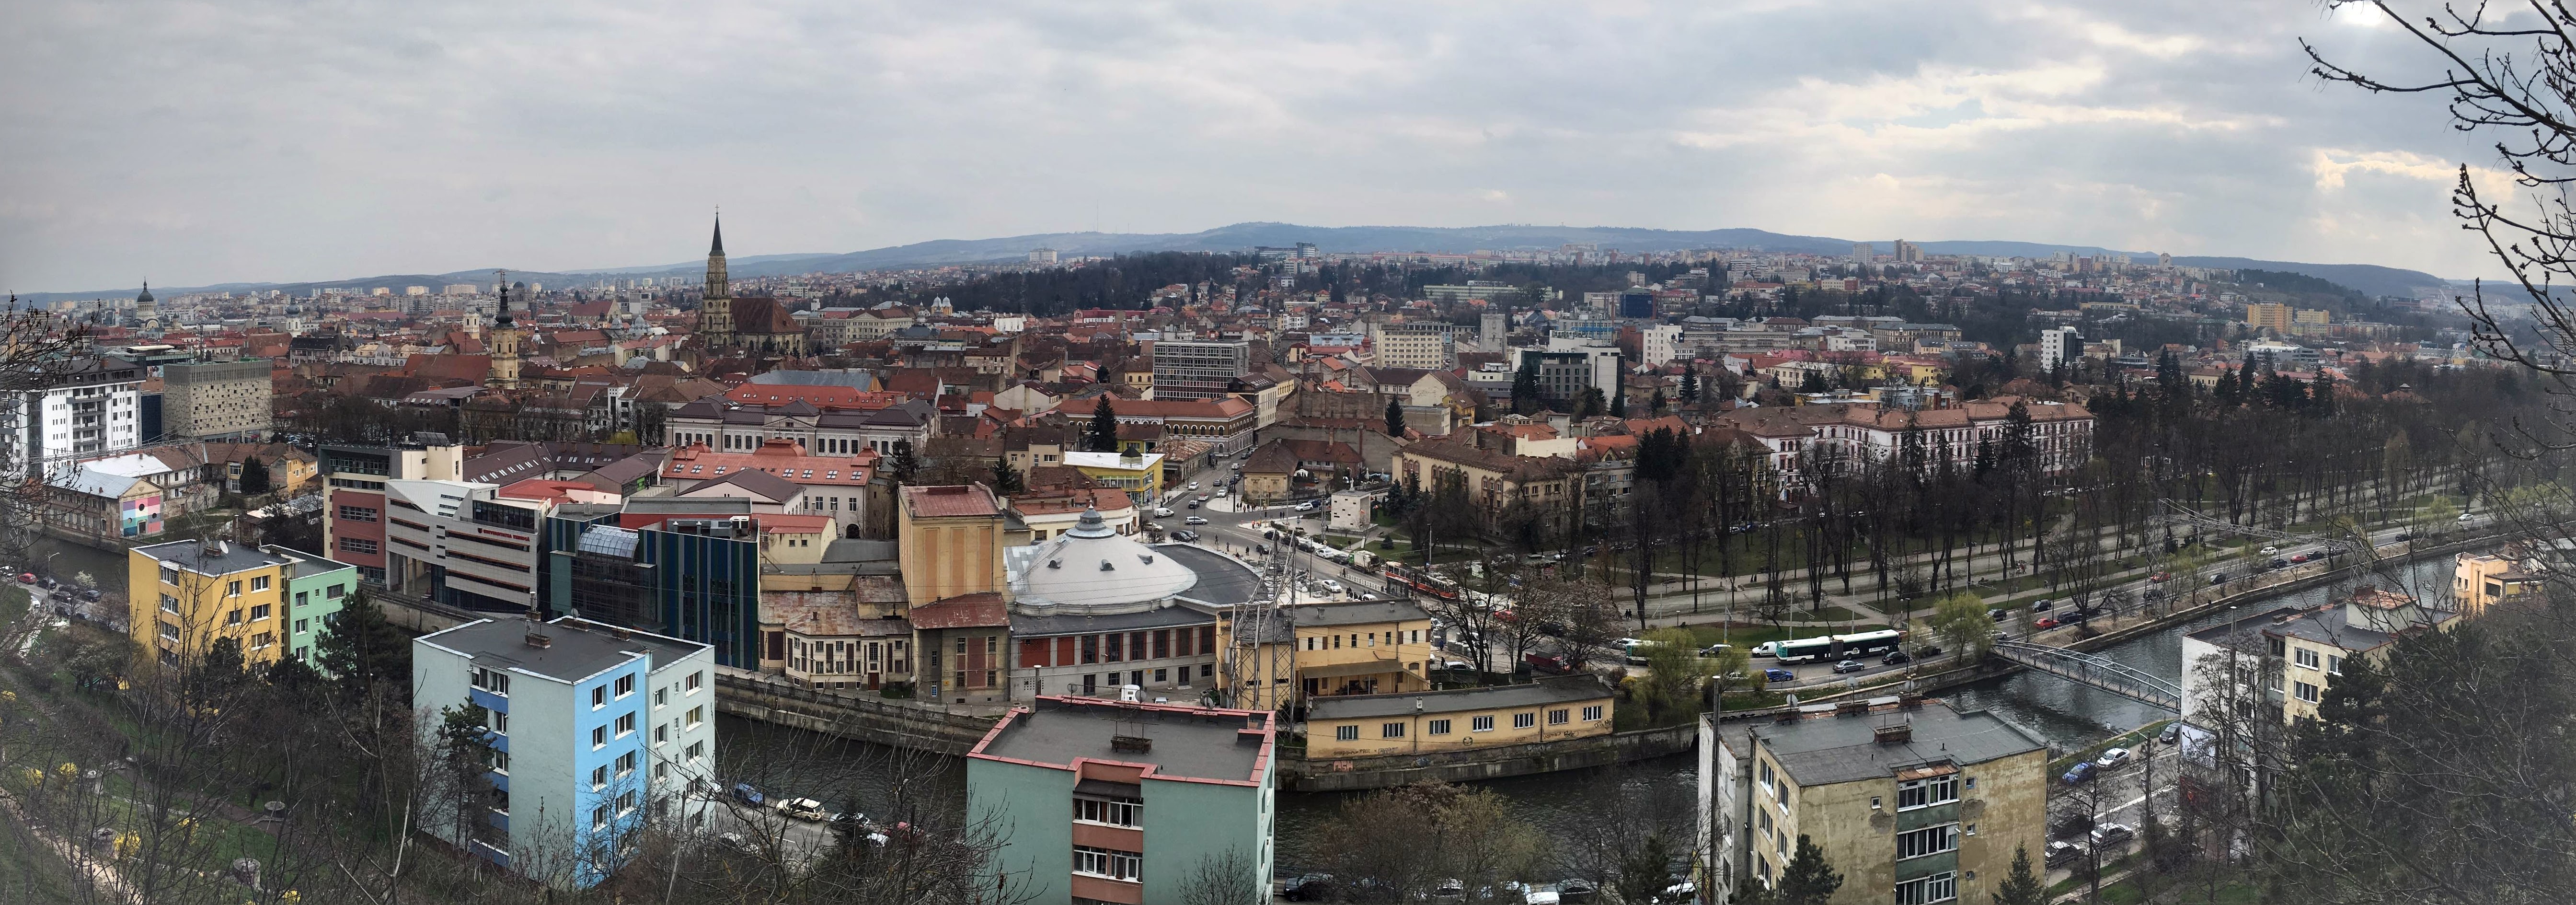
(2068, 716)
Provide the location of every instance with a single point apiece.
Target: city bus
(1836, 647)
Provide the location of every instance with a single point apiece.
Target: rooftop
(1186, 742)
(212, 557)
(1829, 748)
(575, 648)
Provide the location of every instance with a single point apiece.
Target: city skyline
(433, 140)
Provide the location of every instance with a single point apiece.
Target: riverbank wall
(1298, 774)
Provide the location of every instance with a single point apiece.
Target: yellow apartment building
(1368, 647)
(183, 595)
(2481, 580)
(1551, 709)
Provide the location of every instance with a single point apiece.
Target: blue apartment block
(589, 731)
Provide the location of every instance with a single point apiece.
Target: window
(2306, 657)
(261, 640)
(695, 679)
(1558, 717)
(169, 575)
(335, 592)
(358, 545)
(625, 685)
(697, 715)
(1390, 730)
(169, 604)
(1115, 812)
(498, 760)
(599, 777)
(1940, 887)
(233, 617)
(1101, 862)
(661, 733)
(1346, 733)
(300, 625)
(2334, 665)
(494, 720)
(626, 763)
(626, 803)
(1439, 727)
(1524, 720)
(599, 817)
(357, 514)
(1924, 793)
(1480, 724)
(697, 750)
(232, 589)
(626, 725)
(661, 696)
(259, 612)
(2307, 692)
(1927, 841)
(598, 737)
(599, 697)
(1592, 714)
(169, 631)
(493, 681)
(259, 582)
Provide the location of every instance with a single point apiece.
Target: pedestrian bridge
(2098, 672)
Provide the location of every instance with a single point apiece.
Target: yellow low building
(2481, 580)
(1137, 473)
(184, 595)
(1551, 709)
(1371, 647)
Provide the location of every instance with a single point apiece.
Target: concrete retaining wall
(848, 715)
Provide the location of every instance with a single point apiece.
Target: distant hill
(2367, 278)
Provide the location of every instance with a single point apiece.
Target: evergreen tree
(2022, 887)
(363, 651)
(1690, 385)
(2230, 394)
(1657, 405)
(1394, 419)
(903, 465)
(1103, 435)
(1808, 880)
(1619, 405)
(1645, 871)
(1525, 395)
(1591, 404)
(2321, 395)
(1006, 480)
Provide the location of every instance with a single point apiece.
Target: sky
(192, 143)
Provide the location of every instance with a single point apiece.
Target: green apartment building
(315, 590)
(1113, 802)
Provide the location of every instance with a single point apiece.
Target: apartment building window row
(1940, 887)
(1924, 793)
(1101, 862)
(1117, 812)
(1927, 841)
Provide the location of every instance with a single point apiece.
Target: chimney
(1893, 734)
(1851, 708)
(1131, 744)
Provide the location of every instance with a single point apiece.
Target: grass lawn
(13, 602)
(29, 872)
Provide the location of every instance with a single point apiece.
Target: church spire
(717, 250)
(501, 284)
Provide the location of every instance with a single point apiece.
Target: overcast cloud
(269, 140)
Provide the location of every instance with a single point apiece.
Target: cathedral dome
(1092, 569)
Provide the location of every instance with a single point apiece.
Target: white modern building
(589, 732)
(2059, 346)
(88, 407)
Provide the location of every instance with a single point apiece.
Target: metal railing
(2097, 672)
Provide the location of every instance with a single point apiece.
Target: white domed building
(1094, 610)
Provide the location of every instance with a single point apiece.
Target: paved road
(2120, 795)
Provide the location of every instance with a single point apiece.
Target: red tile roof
(950, 501)
(977, 610)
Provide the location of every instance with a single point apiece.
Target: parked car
(1928, 650)
(89, 594)
(2079, 774)
(2160, 577)
(1162, 511)
(1849, 666)
(1716, 650)
(2279, 563)
(2299, 558)
(1195, 520)
(2113, 834)
(743, 792)
(1308, 888)
(2217, 578)
(2154, 594)
(1458, 666)
(1194, 504)
(2267, 551)
(1895, 658)
(1185, 535)
(26, 578)
(2112, 757)
(2466, 518)
(2043, 606)
(1194, 485)
(2045, 622)
(1332, 587)
(1307, 506)
(2172, 733)
(802, 809)
(2403, 536)
(1766, 649)
(2061, 854)
(2071, 825)
(1776, 674)
(1547, 663)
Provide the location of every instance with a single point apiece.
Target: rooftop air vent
(1146, 558)
(1894, 734)
(1106, 566)
(1132, 744)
